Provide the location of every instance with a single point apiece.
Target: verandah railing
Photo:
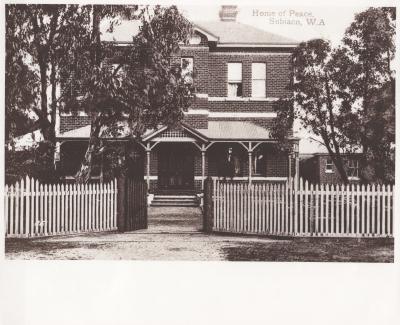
(35, 209)
(303, 210)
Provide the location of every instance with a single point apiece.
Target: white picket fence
(303, 209)
(34, 209)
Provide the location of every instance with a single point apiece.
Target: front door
(176, 167)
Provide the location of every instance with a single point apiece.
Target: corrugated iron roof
(217, 130)
(227, 32)
(232, 32)
(235, 130)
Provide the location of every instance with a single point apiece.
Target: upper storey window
(235, 88)
(187, 70)
(258, 76)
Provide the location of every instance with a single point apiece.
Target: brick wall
(240, 106)
(200, 66)
(211, 78)
(277, 78)
(324, 176)
(314, 170)
(197, 121)
(72, 122)
(277, 165)
(334, 176)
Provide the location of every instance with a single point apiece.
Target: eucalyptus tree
(41, 40)
(138, 86)
(345, 95)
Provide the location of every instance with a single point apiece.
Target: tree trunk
(96, 34)
(53, 113)
(46, 127)
(84, 173)
(336, 158)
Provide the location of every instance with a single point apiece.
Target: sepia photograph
(199, 132)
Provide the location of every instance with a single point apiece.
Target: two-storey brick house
(240, 72)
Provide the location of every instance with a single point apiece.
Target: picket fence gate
(34, 209)
(303, 209)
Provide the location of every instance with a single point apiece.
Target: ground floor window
(329, 166)
(353, 168)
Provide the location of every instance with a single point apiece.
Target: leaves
(148, 91)
(343, 94)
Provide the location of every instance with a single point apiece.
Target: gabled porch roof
(190, 132)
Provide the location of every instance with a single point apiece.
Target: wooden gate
(132, 204)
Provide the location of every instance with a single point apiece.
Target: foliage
(283, 124)
(41, 39)
(35, 162)
(343, 95)
(143, 90)
(47, 36)
(20, 84)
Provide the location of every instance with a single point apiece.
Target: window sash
(258, 88)
(329, 165)
(235, 89)
(258, 80)
(258, 71)
(235, 72)
(353, 168)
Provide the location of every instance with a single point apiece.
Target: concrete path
(174, 234)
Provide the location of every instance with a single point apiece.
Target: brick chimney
(228, 13)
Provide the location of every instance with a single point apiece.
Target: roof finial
(228, 13)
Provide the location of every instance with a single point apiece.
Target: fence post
(144, 202)
(312, 202)
(121, 201)
(208, 206)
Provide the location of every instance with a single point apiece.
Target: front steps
(161, 200)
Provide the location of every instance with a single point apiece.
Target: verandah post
(148, 152)
(203, 165)
(208, 206)
(250, 153)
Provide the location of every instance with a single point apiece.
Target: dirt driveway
(174, 234)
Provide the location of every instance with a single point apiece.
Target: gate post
(208, 216)
(121, 201)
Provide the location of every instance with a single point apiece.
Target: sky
(299, 23)
(295, 22)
